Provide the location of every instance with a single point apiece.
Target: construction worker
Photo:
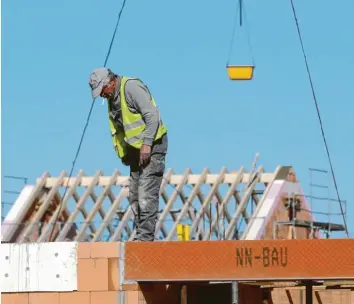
(140, 141)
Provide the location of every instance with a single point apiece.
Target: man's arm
(139, 97)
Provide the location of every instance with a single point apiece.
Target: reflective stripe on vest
(133, 123)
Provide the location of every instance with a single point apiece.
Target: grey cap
(96, 80)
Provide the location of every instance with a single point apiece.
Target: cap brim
(96, 92)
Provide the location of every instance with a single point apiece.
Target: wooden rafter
(214, 205)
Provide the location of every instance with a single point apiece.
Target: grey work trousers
(144, 195)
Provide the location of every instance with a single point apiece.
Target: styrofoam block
(267, 205)
(39, 267)
(18, 210)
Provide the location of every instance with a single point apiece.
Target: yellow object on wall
(183, 232)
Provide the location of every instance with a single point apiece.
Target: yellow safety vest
(133, 125)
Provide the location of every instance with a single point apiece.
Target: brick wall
(98, 281)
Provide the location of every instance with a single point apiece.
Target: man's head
(103, 83)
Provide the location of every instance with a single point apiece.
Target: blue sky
(180, 50)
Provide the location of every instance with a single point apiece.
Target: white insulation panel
(38, 267)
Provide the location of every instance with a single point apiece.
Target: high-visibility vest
(133, 125)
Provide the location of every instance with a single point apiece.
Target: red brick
(14, 298)
(93, 274)
(146, 287)
(113, 274)
(75, 297)
(132, 297)
(131, 287)
(106, 297)
(104, 250)
(44, 298)
(84, 250)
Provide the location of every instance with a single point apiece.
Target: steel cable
(319, 118)
(87, 121)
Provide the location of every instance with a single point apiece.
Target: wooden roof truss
(96, 208)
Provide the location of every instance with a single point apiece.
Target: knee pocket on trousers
(157, 165)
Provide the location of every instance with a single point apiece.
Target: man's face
(108, 90)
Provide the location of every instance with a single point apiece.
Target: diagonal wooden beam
(35, 221)
(191, 214)
(171, 201)
(220, 200)
(83, 210)
(244, 212)
(279, 171)
(115, 206)
(230, 229)
(60, 208)
(253, 167)
(97, 205)
(128, 214)
(100, 209)
(187, 204)
(79, 205)
(162, 191)
(228, 195)
(206, 203)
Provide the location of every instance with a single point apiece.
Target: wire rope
(87, 120)
(319, 117)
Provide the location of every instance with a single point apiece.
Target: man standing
(140, 141)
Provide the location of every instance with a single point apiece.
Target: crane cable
(240, 16)
(87, 121)
(319, 118)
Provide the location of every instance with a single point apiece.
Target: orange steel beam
(240, 260)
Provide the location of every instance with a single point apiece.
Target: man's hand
(145, 152)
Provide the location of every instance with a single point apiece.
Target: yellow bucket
(240, 72)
